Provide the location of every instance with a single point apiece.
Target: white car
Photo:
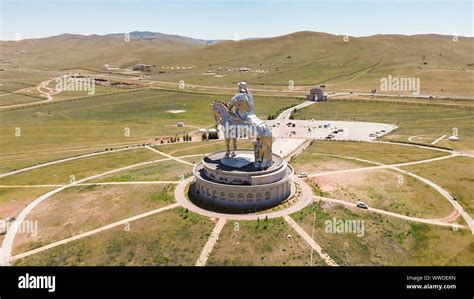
(302, 175)
(362, 205)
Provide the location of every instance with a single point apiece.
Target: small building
(100, 81)
(317, 94)
(121, 84)
(142, 67)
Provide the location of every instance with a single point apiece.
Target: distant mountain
(148, 35)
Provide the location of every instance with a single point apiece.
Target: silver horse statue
(238, 119)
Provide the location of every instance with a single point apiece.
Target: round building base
(234, 182)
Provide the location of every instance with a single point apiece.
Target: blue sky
(212, 19)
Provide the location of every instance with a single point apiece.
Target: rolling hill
(445, 65)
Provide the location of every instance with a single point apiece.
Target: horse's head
(218, 111)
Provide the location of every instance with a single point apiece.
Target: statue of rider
(241, 105)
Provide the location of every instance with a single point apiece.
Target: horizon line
(229, 39)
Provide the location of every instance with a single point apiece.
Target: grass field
(81, 168)
(412, 120)
(387, 190)
(261, 243)
(19, 98)
(387, 241)
(15, 93)
(13, 200)
(80, 209)
(381, 153)
(455, 175)
(162, 171)
(173, 237)
(105, 121)
(312, 163)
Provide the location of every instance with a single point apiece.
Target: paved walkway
(169, 156)
(206, 251)
(326, 258)
(438, 140)
(305, 198)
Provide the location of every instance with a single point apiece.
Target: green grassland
(411, 119)
(455, 175)
(83, 208)
(261, 243)
(381, 153)
(10, 96)
(173, 237)
(13, 200)
(19, 98)
(387, 241)
(162, 171)
(101, 121)
(408, 100)
(15, 97)
(388, 190)
(81, 168)
(7, 87)
(19, 78)
(98, 90)
(312, 163)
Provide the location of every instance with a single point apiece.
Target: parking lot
(329, 130)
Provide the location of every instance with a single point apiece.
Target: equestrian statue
(237, 119)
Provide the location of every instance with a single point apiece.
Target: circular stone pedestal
(236, 183)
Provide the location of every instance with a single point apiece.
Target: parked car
(302, 175)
